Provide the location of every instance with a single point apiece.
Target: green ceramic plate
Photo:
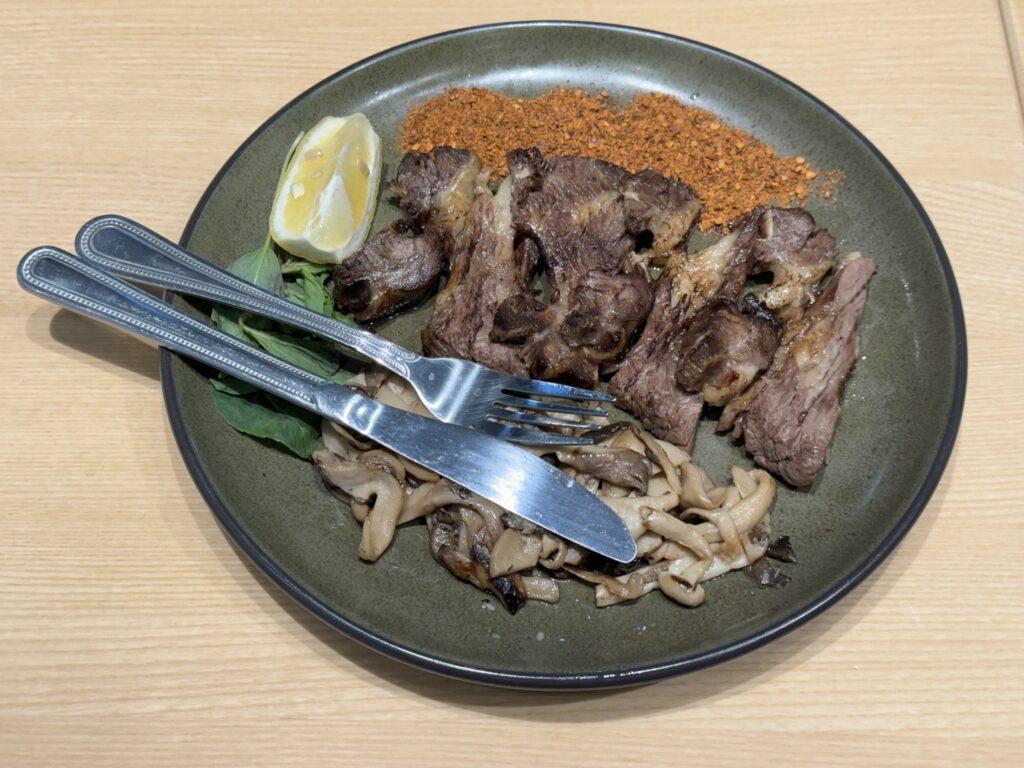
(897, 428)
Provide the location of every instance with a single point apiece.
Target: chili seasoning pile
(730, 169)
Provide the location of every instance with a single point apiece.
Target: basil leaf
(229, 385)
(314, 355)
(261, 267)
(294, 292)
(342, 376)
(227, 319)
(344, 318)
(251, 417)
(315, 296)
(302, 267)
(291, 409)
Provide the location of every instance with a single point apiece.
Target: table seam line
(1014, 54)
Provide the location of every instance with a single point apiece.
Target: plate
(901, 413)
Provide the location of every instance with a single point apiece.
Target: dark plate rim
(618, 677)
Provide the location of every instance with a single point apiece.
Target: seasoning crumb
(731, 170)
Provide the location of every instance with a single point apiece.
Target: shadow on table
(774, 660)
(87, 341)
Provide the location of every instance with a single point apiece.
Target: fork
(453, 390)
(513, 479)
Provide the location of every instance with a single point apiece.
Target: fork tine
(539, 420)
(510, 401)
(512, 434)
(523, 386)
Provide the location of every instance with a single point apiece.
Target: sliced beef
(396, 268)
(585, 216)
(605, 310)
(573, 209)
(645, 383)
(662, 207)
(486, 269)
(797, 255)
(590, 328)
(789, 414)
(582, 217)
(723, 348)
(439, 188)
(519, 317)
(783, 232)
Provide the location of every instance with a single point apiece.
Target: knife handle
(502, 473)
(68, 281)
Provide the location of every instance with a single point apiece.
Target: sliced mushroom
(385, 461)
(357, 443)
(514, 552)
(675, 454)
(631, 509)
(367, 382)
(398, 393)
(376, 488)
(459, 540)
(651, 485)
(605, 435)
(426, 498)
(782, 550)
(675, 529)
(754, 506)
(647, 544)
(464, 531)
(612, 590)
(658, 455)
(690, 595)
(541, 588)
(743, 481)
(620, 466)
(698, 490)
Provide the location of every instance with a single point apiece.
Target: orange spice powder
(730, 169)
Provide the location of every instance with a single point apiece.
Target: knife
(498, 471)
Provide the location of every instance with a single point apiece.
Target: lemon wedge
(325, 203)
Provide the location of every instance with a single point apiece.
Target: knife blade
(510, 477)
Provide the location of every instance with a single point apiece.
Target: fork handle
(68, 281)
(126, 248)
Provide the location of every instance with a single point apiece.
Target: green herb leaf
(314, 355)
(229, 385)
(261, 267)
(243, 406)
(344, 318)
(227, 319)
(251, 417)
(315, 296)
(303, 267)
(342, 376)
(291, 409)
(293, 291)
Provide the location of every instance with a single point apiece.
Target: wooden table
(134, 634)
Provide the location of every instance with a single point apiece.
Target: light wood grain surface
(133, 633)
